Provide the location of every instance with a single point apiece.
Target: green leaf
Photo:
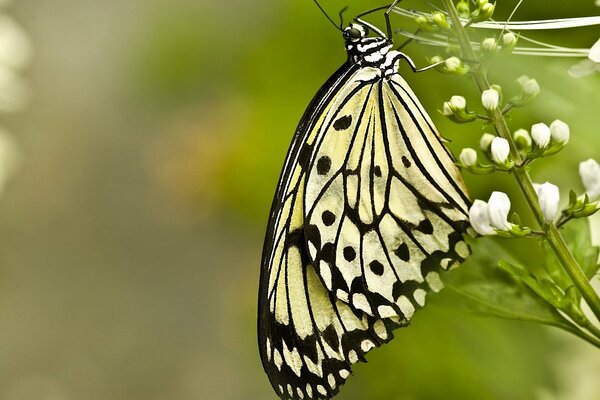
(544, 288)
(480, 286)
(578, 236)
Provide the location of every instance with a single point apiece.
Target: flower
(490, 99)
(468, 157)
(589, 171)
(486, 141)
(529, 86)
(489, 44)
(440, 19)
(594, 53)
(456, 110)
(548, 198)
(498, 209)
(560, 131)
(540, 133)
(499, 150)
(480, 219)
(522, 139)
(509, 39)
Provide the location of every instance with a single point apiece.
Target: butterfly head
(363, 49)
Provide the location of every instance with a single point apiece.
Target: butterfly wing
(308, 338)
(385, 206)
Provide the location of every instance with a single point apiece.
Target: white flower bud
(560, 131)
(509, 39)
(453, 63)
(548, 198)
(522, 136)
(458, 102)
(498, 209)
(490, 99)
(447, 109)
(540, 133)
(499, 150)
(489, 44)
(531, 87)
(594, 53)
(468, 157)
(486, 141)
(480, 219)
(590, 176)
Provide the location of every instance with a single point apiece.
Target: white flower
(458, 102)
(499, 150)
(540, 133)
(490, 99)
(453, 63)
(530, 87)
(509, 39)
(548, 198)
(589, 171)
(468, 157)
(447, 109)
(486, 141)
(521, 135)
(560, 131)
(498, 209)
(594, 53)
(480, 219)
(489, 44)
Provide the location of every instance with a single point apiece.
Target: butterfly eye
(354, 34)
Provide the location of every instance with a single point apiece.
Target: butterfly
(369, 208)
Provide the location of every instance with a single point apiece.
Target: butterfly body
(369, 209)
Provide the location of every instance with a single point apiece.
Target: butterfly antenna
(327, 16)
(341, 14)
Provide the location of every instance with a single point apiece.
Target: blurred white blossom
(560, 131)
(486, 141)
(589, 171)
(468, 157)
(589, 65)
(490, 99)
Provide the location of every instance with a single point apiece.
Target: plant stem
(556, 241)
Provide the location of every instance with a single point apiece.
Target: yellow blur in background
(141, 145)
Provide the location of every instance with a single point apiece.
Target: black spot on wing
(343, 123)
(328, 218)
(323, 165)
(376, 267)
(403, 252)
(406, 162)
(425, 227)
(349, 253)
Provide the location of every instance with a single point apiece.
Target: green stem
(556, 241)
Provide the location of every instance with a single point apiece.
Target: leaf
(480, 286)
(544, 288)
(578, 235)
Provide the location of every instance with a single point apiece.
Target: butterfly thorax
(370, 51)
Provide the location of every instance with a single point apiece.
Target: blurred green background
(131, 233)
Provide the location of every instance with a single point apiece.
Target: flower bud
(499, 150)
(548, 198)
(560, 131)
(590, 176)
(530, 87)
(509, 40)
(522, 139)
(498, 209)
(463, 8)
(440, 19)
(490, 99)
(455, 66)
(594, 53)
(486, 141)
(468, 157)
(489, 45)
(540, 133)
(480, 219)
